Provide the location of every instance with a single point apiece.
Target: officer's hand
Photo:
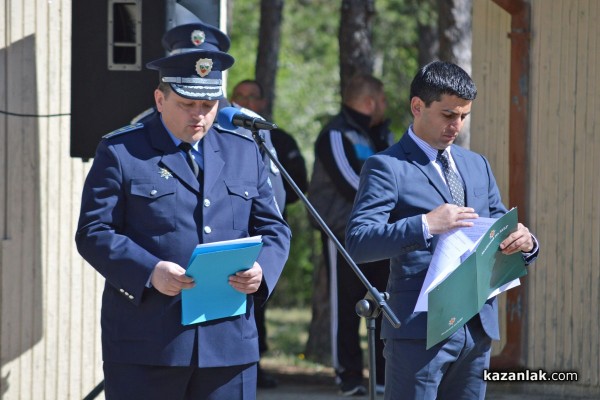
(169, 278)
(247, 281)
(519, 240)
(449, 216)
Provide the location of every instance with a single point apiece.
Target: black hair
(439, 78)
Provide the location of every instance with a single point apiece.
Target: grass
(287, 333)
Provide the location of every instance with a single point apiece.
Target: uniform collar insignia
(164, 173)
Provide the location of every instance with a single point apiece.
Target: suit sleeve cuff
(530, 256)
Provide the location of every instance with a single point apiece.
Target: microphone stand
(374, 301)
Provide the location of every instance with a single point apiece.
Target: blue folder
(211, 265)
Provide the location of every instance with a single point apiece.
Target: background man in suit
(407, 196)
(249, 95)
(155, 190)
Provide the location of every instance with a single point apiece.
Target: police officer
(144, 210)
(201, 36)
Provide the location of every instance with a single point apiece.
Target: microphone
(230, 117)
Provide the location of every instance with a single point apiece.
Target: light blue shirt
(196, 147)
(431, 153)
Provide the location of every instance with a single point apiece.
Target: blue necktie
(187, 148)
(455, 185)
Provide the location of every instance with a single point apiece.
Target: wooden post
(511, 356)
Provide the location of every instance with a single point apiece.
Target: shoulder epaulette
(241, 132)
(125, 129)
(143, 115)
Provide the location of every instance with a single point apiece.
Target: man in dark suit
(154, 191)
(407, 196)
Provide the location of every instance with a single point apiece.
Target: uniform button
(130, 297)
(207, 229)
(246, 194)
(206, 203)
(121, 290)
(153, 192)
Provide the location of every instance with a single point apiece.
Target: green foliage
(294, 287)
(307, 92)
(395, 48)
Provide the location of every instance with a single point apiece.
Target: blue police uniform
(142, 204)
(202, 36)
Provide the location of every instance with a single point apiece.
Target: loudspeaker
(112, 40)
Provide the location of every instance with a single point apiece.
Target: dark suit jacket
(396, 187)
(141, 204)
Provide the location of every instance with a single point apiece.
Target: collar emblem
(164, 173)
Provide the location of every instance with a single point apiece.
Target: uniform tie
(455, 185)
(187, 148)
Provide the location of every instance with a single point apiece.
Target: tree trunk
(427, 31)
(455, 35)
(355, 36)
(269, 38)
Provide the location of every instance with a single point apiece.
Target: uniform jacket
(398, 186)
(277, 181)
(141, 204)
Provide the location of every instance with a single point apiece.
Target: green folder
(462, 294)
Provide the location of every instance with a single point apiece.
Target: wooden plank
(40, 368)
(581, 271)
(4, 190)
(12, 346)
(564, 157)
(534, 324)
(533, 288)
(591, 240)
(546, 73)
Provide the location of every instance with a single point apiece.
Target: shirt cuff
(426, 234)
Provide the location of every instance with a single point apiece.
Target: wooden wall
(562, 311)
(489, 119)
(49, 300)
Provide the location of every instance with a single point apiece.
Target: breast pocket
(153, 204)
(241, 195)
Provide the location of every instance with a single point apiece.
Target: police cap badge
(195, 75)
(196, 36)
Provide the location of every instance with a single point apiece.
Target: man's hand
(247, 281)
(169, 278)
(519, 240)
(449, 216)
